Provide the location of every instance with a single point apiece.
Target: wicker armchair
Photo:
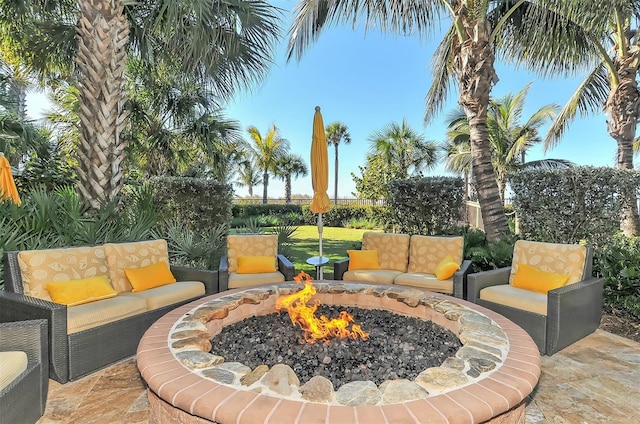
(24, 399)
(556, 319)
(247, 245)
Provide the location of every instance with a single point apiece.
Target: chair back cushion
(570, 259)
(121, 256)
(250, 245)
(427, 252)
(41, 267)
(393, 249)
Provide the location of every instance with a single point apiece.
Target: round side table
(318, 262)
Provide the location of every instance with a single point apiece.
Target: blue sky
(368, 80)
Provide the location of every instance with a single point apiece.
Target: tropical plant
(290, 166)
(248, 175)
(223, 45)
(267, 150)
(611, 30)
(337, 132)
(479, 29)
(509, 138)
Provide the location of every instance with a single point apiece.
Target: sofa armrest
(19, 307)
(460, 280)
(286, 267)
(223, 274)
(481, 280)
(339, 268)
(573, 311)
(208, 277)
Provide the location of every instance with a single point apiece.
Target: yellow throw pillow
(77, 292)
(256, 264)
(148, 277)
(537, 280)
(446, 268)
(363, 259)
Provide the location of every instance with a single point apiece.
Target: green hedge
(572, 204)
(427, 205)
(339, 215)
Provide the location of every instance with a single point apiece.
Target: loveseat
(410, 261)
(98, 317)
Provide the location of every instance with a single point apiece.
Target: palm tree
(404, 149)
(610, 85)
(267, 150)
(508, 137)
(223, 45)
(290, 166)
(466, 55)
(336, 133)
(248, 175)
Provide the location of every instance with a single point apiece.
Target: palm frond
(442, 76)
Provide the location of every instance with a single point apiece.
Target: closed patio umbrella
(8, 188)
(319, 176)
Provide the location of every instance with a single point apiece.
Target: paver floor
(596, 380)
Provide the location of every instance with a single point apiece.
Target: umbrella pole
(320, 227)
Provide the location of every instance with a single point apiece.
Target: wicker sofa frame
(573, 311)
(75, 355)
(24, 399)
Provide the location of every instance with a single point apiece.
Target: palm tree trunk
(102, 31)
(265, 184)
(335, 192)
(476, 76)
(287, 189)
(622, 110)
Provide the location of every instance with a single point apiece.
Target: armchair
(23, 395)
(554, 319)
(252, 248)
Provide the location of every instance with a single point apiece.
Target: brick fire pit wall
(184, 394)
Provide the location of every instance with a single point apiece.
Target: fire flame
(304, 316)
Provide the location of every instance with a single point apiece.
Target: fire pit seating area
(548, 291)
(98, 300)
(428, 262)
(253, 259)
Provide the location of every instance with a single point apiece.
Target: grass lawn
(335, 242)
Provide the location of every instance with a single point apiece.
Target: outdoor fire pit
(497, 366)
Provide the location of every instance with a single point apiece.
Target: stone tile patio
(596, 380)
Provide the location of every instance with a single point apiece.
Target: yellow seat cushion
(426, 252)
(150, 276)
(425, 281)
(121, 256)
(551, 257)
(508, 295)
(250, 245)
(77, 292)
(162, 296)
(363, 259)
(256, 264)
(247, 280)
(385, 276)
(13, 363)
(95, 314)
(41, 267)
(446, 268)
(393, 249)
(531, 278)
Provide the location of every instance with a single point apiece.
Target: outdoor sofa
(24, 371)
(410, 261)
(84, 337)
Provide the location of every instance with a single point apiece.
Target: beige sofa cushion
(95, 314)
(13, 363)
(551, 257)
(250, 245)
(121, 256)
(385, 276)
(508, 295)
(41, 267)
(425, 281)
(426, 252)
(393, 249)
(159, 297)
(246, 280)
